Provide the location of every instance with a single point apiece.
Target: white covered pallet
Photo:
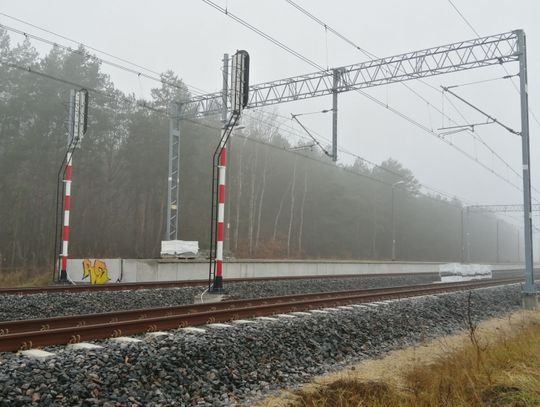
(176, 248)
(450, 272)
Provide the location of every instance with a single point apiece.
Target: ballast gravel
(45, 305)
(237, 365)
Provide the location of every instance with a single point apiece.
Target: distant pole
(394, 221)
(498, 255)
(468, 236)
(461, 237)
(336, 75)
(529, 289)
(518, 257)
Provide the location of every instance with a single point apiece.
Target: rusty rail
(18, 335)
(184, 283)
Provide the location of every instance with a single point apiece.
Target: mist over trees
(282, 202)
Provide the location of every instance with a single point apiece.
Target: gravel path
(233, 366)
(55, 304)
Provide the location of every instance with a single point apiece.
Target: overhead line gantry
(460, 56)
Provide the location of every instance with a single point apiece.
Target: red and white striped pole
(78, 122)
(67, 207)
(218, 278)
(240, 91)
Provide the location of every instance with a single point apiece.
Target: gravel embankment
(231, 366)
(56, 304)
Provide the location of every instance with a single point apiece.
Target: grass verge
(496, 364)
(24, 278)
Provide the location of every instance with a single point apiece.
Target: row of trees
(281, 203)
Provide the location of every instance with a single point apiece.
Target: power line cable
(505, 70)
(372, 98)
(139, 74)
(115, 97)
(80, 43)
(341, 149)
(354, 155)
(432, 132)
(104, 61)
(372, 56)
(481, 81)
(264, 35)
(143, 104)
(463, 18)
(345, 169)
(328, 28)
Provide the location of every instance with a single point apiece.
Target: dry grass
(25, 278)
(497, 365)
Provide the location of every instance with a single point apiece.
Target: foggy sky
(190, 38)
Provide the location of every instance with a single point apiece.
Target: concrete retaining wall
(136, 270)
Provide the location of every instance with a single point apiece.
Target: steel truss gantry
(460, 56)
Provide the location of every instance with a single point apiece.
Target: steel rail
(142, 321)
(185, 283)
(194, 283)
(43, 324)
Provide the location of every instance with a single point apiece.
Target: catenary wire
(163, 113)
(144, 104)
(104, 61)
(354, 155)
(505, 70)
(372, 56)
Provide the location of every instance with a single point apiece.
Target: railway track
(26, 334)
(183, 283)
(194, 283)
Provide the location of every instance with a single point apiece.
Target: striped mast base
(220, 227)
(67, 208)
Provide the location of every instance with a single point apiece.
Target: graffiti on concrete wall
(97, 273)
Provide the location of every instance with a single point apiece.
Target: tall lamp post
(394, 220)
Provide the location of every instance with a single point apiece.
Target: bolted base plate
(63, 276)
